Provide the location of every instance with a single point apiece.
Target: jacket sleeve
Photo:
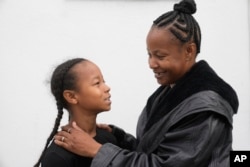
(188, 143)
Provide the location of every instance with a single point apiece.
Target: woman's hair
(62, 79)
(181, 23)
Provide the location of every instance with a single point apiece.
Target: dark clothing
(189, 124)
(56, 156)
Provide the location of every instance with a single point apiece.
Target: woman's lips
(159, 74)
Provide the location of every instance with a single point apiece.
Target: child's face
(92, 92)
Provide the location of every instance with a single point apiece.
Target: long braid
(57, 123)
(61, 80)
(181, 23)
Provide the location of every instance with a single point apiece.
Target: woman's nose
(152, 63)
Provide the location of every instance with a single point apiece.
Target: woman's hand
(74, 139)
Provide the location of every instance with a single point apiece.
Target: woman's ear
(70, 96)
(191, 51)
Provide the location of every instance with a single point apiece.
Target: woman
(187, 121)
(78, 86)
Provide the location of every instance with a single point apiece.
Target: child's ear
(70, 96)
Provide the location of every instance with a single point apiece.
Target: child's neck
(86, 123)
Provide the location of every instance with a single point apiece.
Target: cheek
(178, 63)
(174, 70)
(170, 65)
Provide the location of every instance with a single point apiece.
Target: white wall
(37, 35)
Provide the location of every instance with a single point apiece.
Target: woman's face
(92, 92)
(168, 57)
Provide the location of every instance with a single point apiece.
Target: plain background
(37, 35)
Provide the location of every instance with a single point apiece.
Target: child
(78, 86)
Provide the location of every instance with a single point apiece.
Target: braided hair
(181, 23)
(62, 79)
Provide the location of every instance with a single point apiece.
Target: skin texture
(169, 59)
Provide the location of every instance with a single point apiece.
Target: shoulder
(202, 104)
(57, 156)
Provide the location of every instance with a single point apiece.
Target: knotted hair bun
(186, 6)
